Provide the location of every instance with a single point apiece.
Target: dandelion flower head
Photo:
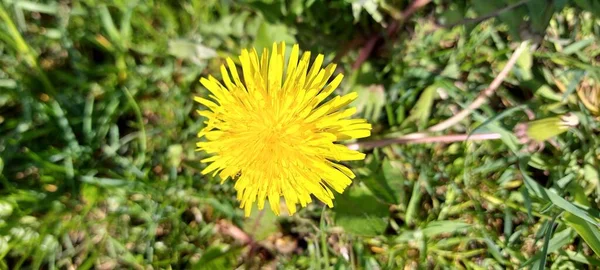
(275, 131)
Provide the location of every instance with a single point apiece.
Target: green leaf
(589, 5)
(546, 92)
(217, 257)
(297, 6)
(358, 211)
(90, 194)
(494, 249)
(267, 34)
(6, 209)
(370, 102)
(578, 257)
(222, 207)
(560, 239)
(527, 202)
(415, 199)
(575, 78)
(453, 14)
(174, 153)
(37, 7)
(109, 26)
(540, 13)
(525, 62)
(538, 261)
(543, 254)
(371, 6)
(393, 174)
(190, 50)
(377, 181)
(546, 195)
(422, 109)
(578, 46)
(507, 137)
(588, 231)
(444, 226)
(513, 19)
(499, 117)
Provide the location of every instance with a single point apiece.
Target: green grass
(98, 167)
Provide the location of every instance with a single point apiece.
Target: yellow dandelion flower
(275, 134)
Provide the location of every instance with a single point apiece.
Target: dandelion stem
(417, 138)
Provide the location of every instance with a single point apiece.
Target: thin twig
(430, 139)
(365, 52)
(487, 16)
(485, 94)
(424, 137)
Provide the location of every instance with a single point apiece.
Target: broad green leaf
(540, 13)
(378, 183)
(360, 212)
